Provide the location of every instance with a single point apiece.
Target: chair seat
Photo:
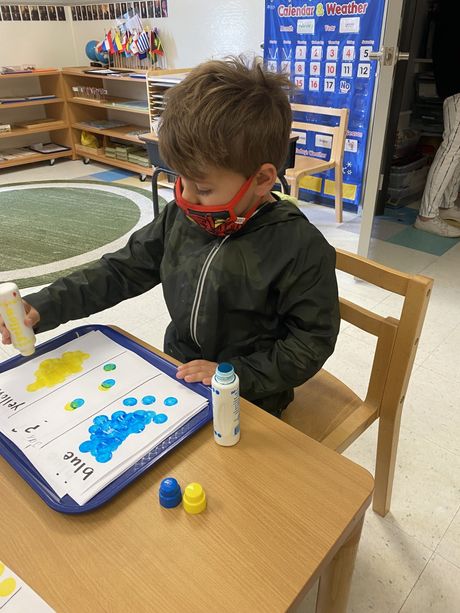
(308, 165)
(328, 411)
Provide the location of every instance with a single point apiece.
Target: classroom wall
(195, 30)
(45, 44)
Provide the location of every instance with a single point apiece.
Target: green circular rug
(55, 227)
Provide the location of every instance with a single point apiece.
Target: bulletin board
(324, 47)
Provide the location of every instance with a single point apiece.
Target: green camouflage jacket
(264, 299)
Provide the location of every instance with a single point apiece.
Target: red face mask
(218, 220)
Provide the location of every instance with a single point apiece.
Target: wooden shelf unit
(97, 157)
(158, 82)
(46, 82)
(82, 110)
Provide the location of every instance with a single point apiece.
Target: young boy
(246, 278)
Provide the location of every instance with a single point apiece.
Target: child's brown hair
(228, 114)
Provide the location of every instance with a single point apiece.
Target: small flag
(143, 42)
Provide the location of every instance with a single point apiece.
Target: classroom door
(392, 61)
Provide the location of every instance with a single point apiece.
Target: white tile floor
(408, 561)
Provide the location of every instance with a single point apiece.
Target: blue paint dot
(170, 401)
(107, 434)
(130, 402)
(100, 420)
(77, 403)
(108, 383)
(85, 446)
(104, 457)
(148, 399)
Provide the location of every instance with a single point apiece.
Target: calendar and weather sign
(325, 48)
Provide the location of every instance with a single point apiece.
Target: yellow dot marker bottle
(194, 498)
(13, 314)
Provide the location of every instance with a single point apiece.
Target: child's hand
(197, 370)
(31, 320)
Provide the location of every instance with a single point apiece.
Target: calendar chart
(325, 49)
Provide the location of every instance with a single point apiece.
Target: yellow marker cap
(194, 498)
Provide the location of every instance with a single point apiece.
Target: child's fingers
(32, 315)
(6, 338)
(196, 370)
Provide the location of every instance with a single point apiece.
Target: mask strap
(223, 207)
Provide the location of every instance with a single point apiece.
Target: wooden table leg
(335, 582)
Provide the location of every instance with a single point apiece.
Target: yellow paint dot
(56, 370)
(7, 586)
(101, 388)
(68, 407)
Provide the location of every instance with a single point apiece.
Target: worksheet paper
(16, 596)
(88, 410)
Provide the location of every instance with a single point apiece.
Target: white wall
(43, 43)
(194, 31)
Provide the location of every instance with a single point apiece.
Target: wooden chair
(329, 411)
(307, 165)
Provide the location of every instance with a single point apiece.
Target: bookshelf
(33, 105)
(158, 84)
(116, 110)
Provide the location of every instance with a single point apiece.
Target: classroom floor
(408, 561)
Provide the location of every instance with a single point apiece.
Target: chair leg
(387, 446)
(294, 187)
(338, 180)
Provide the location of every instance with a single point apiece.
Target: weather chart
(88, 410)
(325, 49)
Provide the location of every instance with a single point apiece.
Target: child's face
(218, 186)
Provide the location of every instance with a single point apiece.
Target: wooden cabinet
(33, 104)
(115, 109)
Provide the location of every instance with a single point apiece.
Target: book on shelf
(104, 71)
(14, 70)
(137, 132)
(104, 124)
(48, 148)
(33, 123)
(131, 104)
(12, 99)
(41, 97)
(168, 80)
(14, 153)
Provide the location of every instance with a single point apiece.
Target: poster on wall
(324, 47)
(96, 12)
(31, 12)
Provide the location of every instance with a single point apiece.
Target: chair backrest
(338, 132)
(397, 339)
(328, 410)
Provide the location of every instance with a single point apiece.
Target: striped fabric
(443, 182)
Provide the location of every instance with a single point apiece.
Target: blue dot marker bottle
(226, 405)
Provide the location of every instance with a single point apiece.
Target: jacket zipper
(199, 290)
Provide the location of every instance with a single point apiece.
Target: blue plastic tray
(66, 504)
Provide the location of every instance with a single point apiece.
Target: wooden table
(282, 512)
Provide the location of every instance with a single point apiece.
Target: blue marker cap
(225, 373)
(170, 493)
